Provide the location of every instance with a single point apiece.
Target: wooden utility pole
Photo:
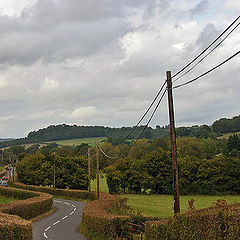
(173, 145)
(13, 163)
(54, 170)
(98, 170)
(89, 171)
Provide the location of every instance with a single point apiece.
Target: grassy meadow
(162, 205)
(78, 141)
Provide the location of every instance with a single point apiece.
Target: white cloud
(83, 113)
(50, 83)
(3, 83)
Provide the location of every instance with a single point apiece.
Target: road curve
(61, 225)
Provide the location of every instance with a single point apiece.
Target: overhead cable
(183, 84)
(211, 44)
(106, 154)
(207, 54)
(150, 119)
(154, 100)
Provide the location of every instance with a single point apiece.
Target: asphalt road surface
(61, 225)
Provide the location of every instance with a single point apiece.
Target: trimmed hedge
(3, 172)
(98, 223)
(78, 194)
(16, 227)
(215, 223)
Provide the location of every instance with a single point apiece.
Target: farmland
(226, 135)
(162, 205)
(78, 141)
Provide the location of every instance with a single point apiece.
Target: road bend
(63, 224)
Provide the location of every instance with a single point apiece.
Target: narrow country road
(61, 225)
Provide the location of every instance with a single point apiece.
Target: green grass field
(4, 199)
(162, 205)
(78, 141)
(226, 135)
(102, 184)
(1, 169)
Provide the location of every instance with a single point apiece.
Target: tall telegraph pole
(173, 145)
(98, 169)
(89, 171)
(54, 170)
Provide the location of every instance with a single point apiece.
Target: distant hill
(227, 125)
(63, 131)
(6, 139)
(114, 135)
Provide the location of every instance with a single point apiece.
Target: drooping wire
(207, 54)
(194, 79)
(211, 44)
(106, 154)
(150, 119)
(150, 106)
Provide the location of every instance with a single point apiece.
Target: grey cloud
(200, 8)
(208, 34)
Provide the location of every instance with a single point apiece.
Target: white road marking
(74, 209)
(47, 228)
(64, 217)
(56, 222)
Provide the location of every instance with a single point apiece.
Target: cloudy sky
(101, 62)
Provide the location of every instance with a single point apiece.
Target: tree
(158, 167)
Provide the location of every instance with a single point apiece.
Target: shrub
(214, 223)
(98, 223)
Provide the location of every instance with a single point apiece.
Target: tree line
(116, 135)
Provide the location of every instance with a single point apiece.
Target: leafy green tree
(158, 167)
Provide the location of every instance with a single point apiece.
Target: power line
(106, 154)
(154, 100)
(150, 119)
(207, 47)
(183, 84)
(207, 54)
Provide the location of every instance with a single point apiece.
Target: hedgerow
(16, 226)
(77, 194)
(99, 224)
(215, 223)
(3, 172)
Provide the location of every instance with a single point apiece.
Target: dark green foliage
(37, 169)
(225, 125)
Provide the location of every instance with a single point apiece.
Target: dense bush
(153, 171)
(209, 224)
(37, 169)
